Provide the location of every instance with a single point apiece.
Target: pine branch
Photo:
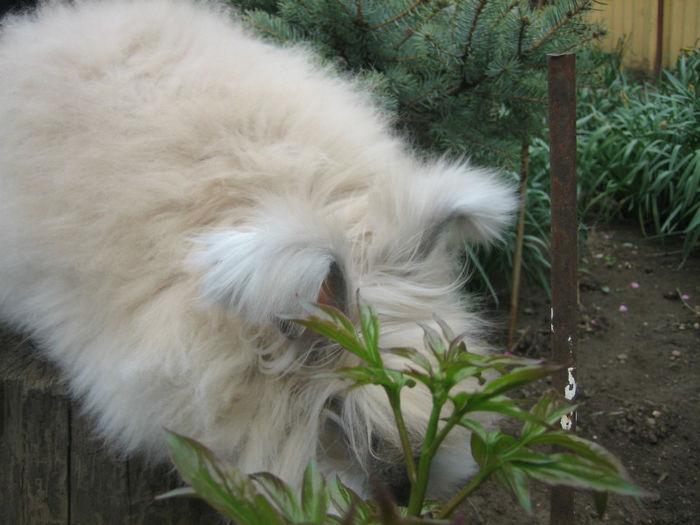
(452, 21)
(399, 16)
(344, 7)
(442, 50)
(265, 24)
(569, 16)
(398, 60)
(332, 24)
(505, 13)
(524, 22)
(509, 96)
(505, 154)
(360, 15)
(465, 86)
(267, 31)
(410, 32)
(422, 95)
(477, 14)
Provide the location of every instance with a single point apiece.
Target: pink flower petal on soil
(623, 308)
(634, 285)
(685, 297)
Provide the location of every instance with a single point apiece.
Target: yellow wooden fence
(637, 20)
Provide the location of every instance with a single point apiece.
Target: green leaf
(314, 494)
(523, 455)
(520, 377)
(225, 488)
(507, 407)
(479, 449)
(579, 473)
(512, 360)
(457, 372)
(550, 409)
(446, 330)
(335, 332)
(399, 379)
(281, 495)
(344, 499)
(361, 375)
(474, 426)
(370, 331)
(427, 380)
(501, 362)
(457, 347)
(187, 492)
(474, 261)
(587, 449)
(601, 502)
(331, 313)
(517, 483)
(433, 342)
(412, 355)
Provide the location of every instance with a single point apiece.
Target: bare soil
(639, 390)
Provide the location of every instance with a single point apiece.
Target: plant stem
(418, 489)
(518, 256)
(446, 429)
(477, 480)
(395, 402)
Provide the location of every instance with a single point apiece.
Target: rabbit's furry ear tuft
(264, 269)
(459, 201)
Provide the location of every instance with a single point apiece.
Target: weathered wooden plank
(98, 482)
(107, 490)
(54, 471)
(145, 484)
(34, 439)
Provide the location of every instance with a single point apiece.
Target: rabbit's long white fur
(171, 185)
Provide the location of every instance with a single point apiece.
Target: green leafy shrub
(639, 152)
(262, 499)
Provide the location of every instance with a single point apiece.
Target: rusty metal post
(659, 37)
(561, 79)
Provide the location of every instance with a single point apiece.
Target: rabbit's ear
(454, 202)
(264, 269)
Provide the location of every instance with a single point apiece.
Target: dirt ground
(639, 389)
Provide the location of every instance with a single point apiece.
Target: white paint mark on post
(570, 389)
(567, 421)
(551, 319)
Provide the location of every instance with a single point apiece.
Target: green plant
(511, 460)
(639, 152)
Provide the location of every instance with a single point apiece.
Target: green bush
(263, 499)
(639, 152)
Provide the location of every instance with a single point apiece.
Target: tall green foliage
(639, 152)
